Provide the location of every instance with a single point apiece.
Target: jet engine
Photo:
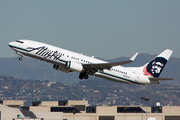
(60, 68)
(74, 66)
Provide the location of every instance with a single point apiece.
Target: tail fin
(155, 66)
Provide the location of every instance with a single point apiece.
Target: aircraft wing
(161, 79)
(101, 66)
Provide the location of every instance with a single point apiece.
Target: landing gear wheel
(80, 77)
(20, 59)
(86, 77)
(83, 75)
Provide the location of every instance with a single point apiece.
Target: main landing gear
(83, 75)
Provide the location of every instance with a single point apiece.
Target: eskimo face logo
(155, 67)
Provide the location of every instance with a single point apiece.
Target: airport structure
(80, 110)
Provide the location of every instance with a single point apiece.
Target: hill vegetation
(97, 92)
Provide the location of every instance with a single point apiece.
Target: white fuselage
(59, 56)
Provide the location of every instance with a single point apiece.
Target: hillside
(97, 92)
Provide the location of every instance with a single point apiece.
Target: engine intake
(60, 68)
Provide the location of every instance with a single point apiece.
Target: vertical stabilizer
(155, 66)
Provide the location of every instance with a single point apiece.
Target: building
(12, 110)
(12, 103)
(80, 110)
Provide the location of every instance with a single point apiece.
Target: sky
(102, 28)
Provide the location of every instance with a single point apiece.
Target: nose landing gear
(21, 58)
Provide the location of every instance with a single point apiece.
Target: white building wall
(77, 102)
(8, 113)
(13, 102)
(49, 103)
(79, 116)
(50, 115)
(39, 109)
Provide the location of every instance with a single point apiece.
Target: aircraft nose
(11, 44)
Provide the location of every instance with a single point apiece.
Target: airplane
(68, 61)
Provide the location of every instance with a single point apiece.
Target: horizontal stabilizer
(161, 79)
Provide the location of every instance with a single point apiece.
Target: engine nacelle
(74, 66)
(60, 68)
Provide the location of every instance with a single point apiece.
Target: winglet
(133, 57)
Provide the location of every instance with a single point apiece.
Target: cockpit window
(19, 41)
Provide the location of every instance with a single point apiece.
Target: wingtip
(133, 57)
